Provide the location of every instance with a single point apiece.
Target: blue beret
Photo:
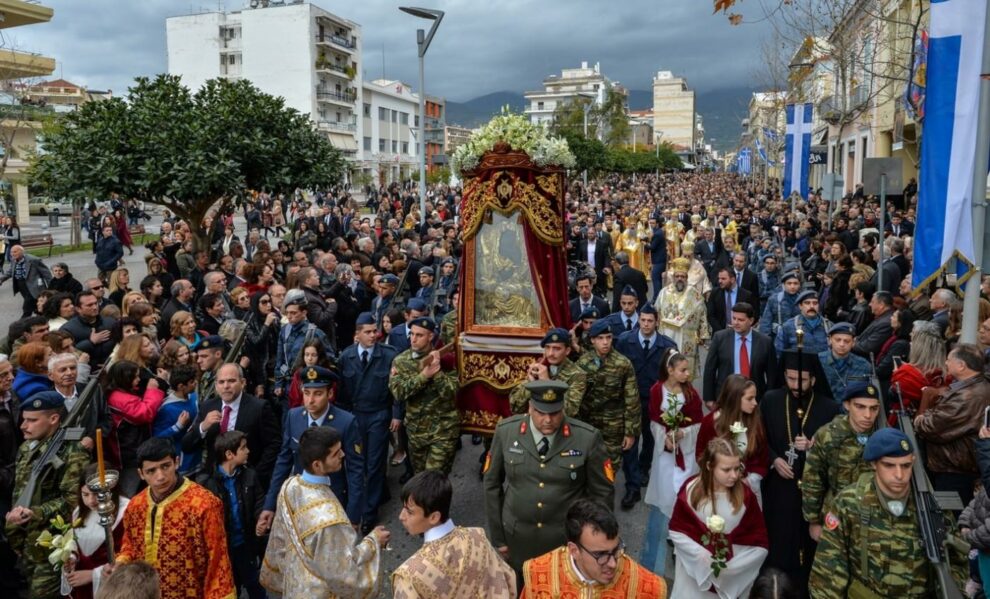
(45, 400)
(317, 376)
(365, 318)
(857, 390)
(426, 270)
(600, 327)
(416, 304)
(210, 342)
(788, 276)
(887, 442)
(806, 295)
(447, 261)
(628, 290)
(389, 279)
(842, 327)
(424, 322)
(591, 312)
(557, 335)
(648, 309)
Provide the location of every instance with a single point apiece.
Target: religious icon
(504, 290)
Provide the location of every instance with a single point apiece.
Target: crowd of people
(736, 357)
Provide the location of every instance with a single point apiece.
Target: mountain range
(722, 110)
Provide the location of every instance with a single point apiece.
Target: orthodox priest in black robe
(791, 416)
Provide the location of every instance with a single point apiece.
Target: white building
(674, 112)
(389, 150)
(559, 90)
(299, 51)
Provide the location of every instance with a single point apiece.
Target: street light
(423, 40)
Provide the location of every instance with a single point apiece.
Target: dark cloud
(481, 47)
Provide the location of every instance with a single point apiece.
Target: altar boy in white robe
(313, 550)
(719, 536)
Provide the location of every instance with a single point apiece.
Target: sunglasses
(97, 288)
(265, 301)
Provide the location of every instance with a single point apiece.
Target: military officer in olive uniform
(554, 366)
(835, 461)
(539, 464)
(611, 403)
(869, 546)
(425, 392)
(55, 492)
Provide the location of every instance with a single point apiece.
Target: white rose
(715, 523)
(737, 428)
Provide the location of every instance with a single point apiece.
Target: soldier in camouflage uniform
(580, 340)
(448, 324)
(835, 461)
(208, 354)
(426, 395)
(611, 403)
(55, 492)
(869, 546)
(554, 366)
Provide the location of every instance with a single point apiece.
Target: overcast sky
(481, 47)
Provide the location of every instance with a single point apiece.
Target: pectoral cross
(791, 455)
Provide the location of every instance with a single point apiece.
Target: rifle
(441, 351)
(70, 429)
(234, 332)
(931, 518)
(881, 421)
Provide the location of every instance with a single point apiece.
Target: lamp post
(423, 40)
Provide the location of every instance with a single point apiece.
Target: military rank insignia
(357, 448)
(609, 471)
(571, 453)
(831, 521)
(488, 462)
(566, 430)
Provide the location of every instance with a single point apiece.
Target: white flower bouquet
(518, 133)
(62, 544)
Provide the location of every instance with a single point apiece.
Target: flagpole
(971, 300)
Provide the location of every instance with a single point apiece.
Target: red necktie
(225, 421)
(743, 358)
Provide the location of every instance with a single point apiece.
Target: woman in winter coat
(131, 416)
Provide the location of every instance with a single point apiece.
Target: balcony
(336, 126)
(335, 40)
(17, 13)
(329, 95)
(829, 109)
(860, 95)
(334, 69)
(14, 65)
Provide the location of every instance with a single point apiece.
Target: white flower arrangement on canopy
(521, 135)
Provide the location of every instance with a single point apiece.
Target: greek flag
(952, 98)
(762, 153)
(744, 161)
(797, 147)
(770, 134)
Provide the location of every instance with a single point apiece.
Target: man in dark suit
(722, 299)
(898, 227)
(941, 304)
(872, 338)
(658, 256)
(740, 349)
(348, 484)
(627, 276)
(644, 348)
(586, 298)
(597, 253)
(235, 410)
(705, 249)
(746, 279)
(363, 366)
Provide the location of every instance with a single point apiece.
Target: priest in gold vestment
(453, 561)
(592, 565)
(672, 230)
(313, 550)
(697, 275)
(683, 315)
(630, 241)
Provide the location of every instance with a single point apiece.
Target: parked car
(43, 206)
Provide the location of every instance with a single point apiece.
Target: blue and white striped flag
(763, 153)
(797, 147)
(744, 162)
(770, 134)
(955, 49)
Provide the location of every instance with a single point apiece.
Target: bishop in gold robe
(683, 316)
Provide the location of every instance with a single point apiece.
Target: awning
(342, 142)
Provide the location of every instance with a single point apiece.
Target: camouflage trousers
(432, 448)
(613, 432)
(44, 581)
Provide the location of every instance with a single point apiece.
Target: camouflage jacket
(569, 372)
(863, 542)
(448, 327)
(55, 493)
(612, 392)
(427, 400)
(834, 462)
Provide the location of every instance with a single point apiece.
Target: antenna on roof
(383, 60)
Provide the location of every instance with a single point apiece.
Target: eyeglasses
(97, 288)
(602, 557)
(265, 301)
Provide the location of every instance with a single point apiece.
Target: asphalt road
(468, 506)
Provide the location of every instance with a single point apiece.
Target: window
(367, 144)
(382, 114)
(395, 146)
(416, 118)
(405, 147)
(395, 116)
(367, 110)
(381, 145)
(539, 105)
(403, 118)
(232, 59)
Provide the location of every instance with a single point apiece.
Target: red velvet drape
(548, 263)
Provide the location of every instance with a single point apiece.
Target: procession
(538, 363)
